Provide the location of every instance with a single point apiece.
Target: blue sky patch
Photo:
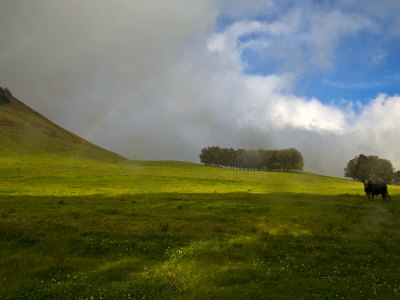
(338, 59)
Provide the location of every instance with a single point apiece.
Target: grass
(79, 228)
(57, 176)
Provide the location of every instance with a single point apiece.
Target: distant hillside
(25, 132)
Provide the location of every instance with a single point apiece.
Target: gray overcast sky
(161, 79)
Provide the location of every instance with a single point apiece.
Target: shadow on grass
(114, 205)
(188, 196)
(171, 245)
(192, 215)
(189, 204)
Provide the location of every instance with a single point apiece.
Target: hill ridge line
(7, 99)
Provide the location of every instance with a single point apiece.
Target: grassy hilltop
(24, 133)
(88, 223)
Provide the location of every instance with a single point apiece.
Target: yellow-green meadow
(81, 228)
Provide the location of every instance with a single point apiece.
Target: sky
(159, 80)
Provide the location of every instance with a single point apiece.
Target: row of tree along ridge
(269, 160)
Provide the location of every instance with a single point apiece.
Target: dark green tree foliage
(5, 96)
(396, 179)
(369, 167)
(274, 160)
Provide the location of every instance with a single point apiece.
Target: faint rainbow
(88, 134)
(117, 106)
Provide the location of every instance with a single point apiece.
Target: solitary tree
(396, 179)
(369, 167)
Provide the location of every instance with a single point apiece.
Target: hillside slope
(24, 132)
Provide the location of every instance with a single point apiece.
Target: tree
(351, 168)
(286, 159)
(292, 160)
(369, 167)
(381, 170)
(358, 167)
(396, 179)
(242, 158)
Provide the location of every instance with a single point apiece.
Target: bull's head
(366, 183)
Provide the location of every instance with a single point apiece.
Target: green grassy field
(81, 228)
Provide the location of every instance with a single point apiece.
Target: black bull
(376, 189)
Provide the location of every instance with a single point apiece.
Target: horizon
(158, 81)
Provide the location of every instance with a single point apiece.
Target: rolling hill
(26, 133)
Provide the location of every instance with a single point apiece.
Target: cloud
(352, 85)
(82, 57)
(159, 80)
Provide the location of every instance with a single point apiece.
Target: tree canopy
(396, 179)
(276, 160)
(371, 168)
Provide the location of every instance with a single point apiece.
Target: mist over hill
(25, 132)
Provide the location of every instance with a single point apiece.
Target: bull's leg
(384, 197)
(368, 196)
